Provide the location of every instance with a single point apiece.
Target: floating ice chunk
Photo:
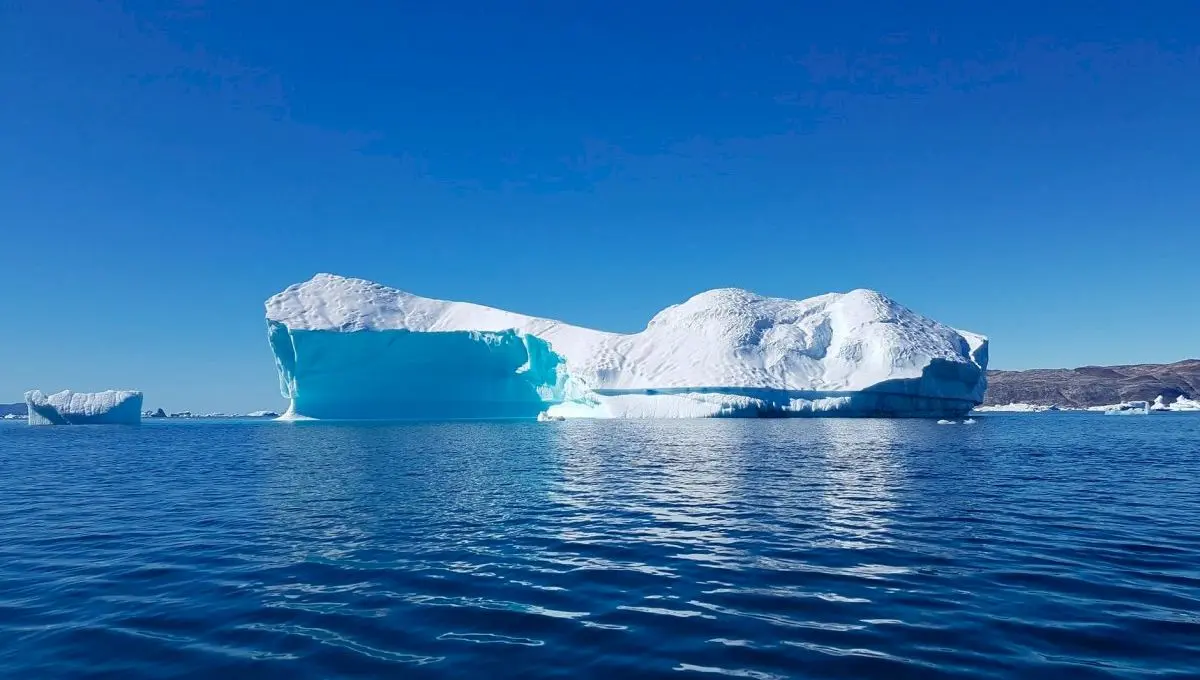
(1128, 408)
(1185, 404)
(112, 407)
(349, 348)
(1181, 403)
(946, 422)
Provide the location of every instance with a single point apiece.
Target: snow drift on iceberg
(112, 407)
(349, 348)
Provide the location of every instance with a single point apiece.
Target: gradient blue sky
(1028, 171)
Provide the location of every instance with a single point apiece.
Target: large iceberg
(112, 407)
(352, 349)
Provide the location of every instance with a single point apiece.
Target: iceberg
(112, 407)
(1182, 403)
(1125, 408)
(352, 349)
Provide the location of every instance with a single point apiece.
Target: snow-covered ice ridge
(111, 407)
(349, 348)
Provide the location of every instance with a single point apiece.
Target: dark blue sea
(1022, 546)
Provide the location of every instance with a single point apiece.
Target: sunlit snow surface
(111, 407)
(349, 348)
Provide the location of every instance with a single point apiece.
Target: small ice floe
(1128, 408)
(969, 421)
(544, 417)
(946, 422)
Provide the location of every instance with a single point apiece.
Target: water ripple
(1049, 546)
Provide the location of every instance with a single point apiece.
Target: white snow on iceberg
(112, 407)
(1182, 403)
(349, 348)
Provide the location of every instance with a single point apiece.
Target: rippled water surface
(1018, 547)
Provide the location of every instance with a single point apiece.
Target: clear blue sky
(1028, 171)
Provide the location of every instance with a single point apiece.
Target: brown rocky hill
(1095, 385)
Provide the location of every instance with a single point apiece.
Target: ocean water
(1022, 546)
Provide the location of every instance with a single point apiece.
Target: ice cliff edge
(350, 348)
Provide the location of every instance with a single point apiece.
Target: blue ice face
(404, 374)
(401, 374)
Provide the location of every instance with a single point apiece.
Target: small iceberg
(946, 422)
(544, 417)
(1185, 404)
(1182, 403)
(111, 407)
(1128, 408)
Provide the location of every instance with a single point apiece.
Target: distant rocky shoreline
(188, 414)
(1094, 385)
(15, 411)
